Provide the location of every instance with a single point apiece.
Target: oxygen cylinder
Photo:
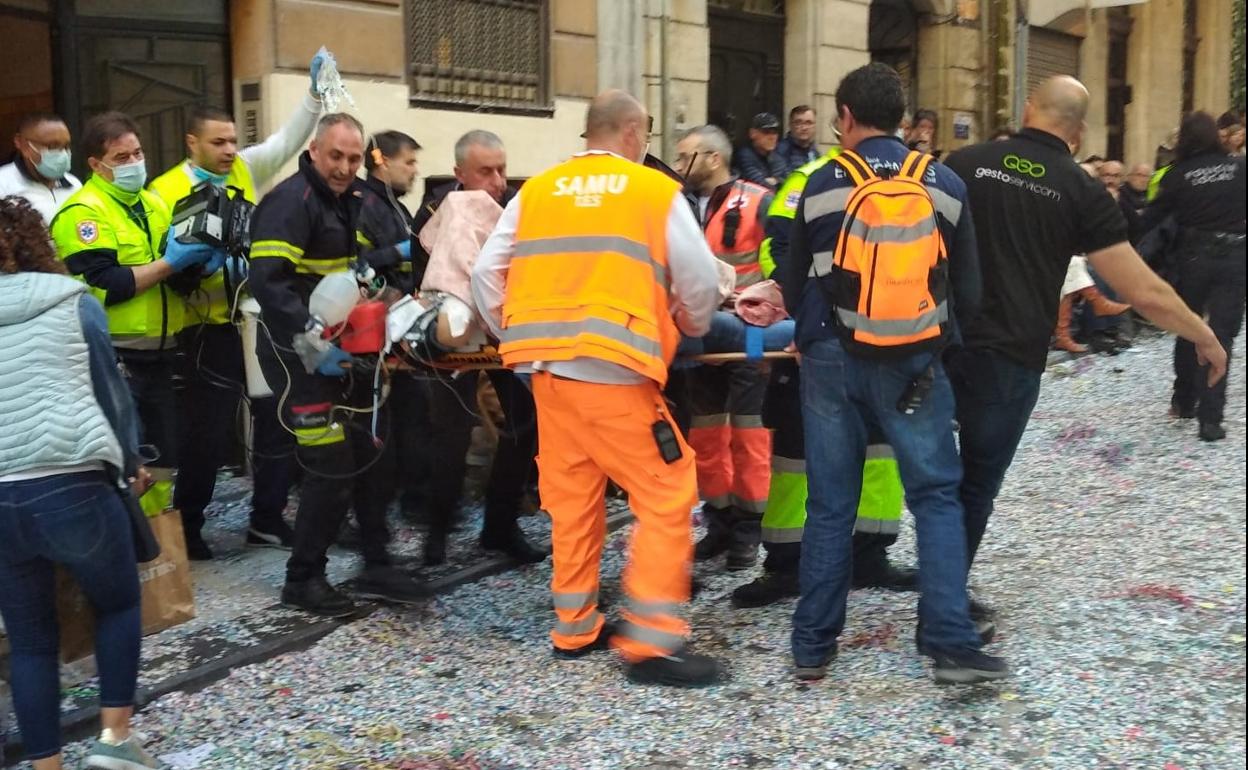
(334, 297)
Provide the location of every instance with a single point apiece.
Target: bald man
(1136, 188)
(1034, 207)
(592, 273)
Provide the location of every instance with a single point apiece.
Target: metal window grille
(762, 7)
(480, 54)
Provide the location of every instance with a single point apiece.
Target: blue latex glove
(183, 255)
(405, 250)
(314, 69)
(332, 361)
(215, 263)
(237, 267)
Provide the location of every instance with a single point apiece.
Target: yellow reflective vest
(100, 217)
(209, 304)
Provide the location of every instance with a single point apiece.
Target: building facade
(527, 68)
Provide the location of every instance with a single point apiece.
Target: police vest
(94, 219)
(589, 277)
(209, 304)
(735, 231)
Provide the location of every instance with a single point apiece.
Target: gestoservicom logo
(1023, 166)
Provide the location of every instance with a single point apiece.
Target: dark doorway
(747, 65)
(153, 61)
(892, 39)
(1117, 90)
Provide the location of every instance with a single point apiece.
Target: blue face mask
(53, 164)
(129, 177)
(203, 175)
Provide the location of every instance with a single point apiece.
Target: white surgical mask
(53, 164)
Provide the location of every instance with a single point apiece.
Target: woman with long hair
(67, 435)
(1204, 193)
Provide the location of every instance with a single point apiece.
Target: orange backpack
(889, 286)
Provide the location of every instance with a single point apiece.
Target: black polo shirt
(1033, 209)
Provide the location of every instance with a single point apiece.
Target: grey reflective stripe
(746, 421)
(877, 526)
(830, 202)
(892, 233)
(750, 506)
(708, 420)
(649, 609)
(821, 263)
(573, 329)
(880, 452)
(894, 328)
(749, 279)
(946, 205)
(787, 465)
(719, 501)
(646, 635)
(583, 626)
(576, 244)
(738, 257)
(574, 601)
(787, 535)
(141, 342)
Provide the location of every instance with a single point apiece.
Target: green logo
(1023, 166)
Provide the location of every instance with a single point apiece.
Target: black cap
(765, 121)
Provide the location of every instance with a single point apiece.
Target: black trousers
(150, 378)
(452, 415)
(213, 378)
(342, 465)
(410, 432)
(1212, 282)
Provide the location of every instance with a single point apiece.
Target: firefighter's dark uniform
(300, 233)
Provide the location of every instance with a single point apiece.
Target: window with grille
(480, 54)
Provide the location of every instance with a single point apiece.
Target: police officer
(303, 230)
(1204, 192)
(213, 365)
(114, 235)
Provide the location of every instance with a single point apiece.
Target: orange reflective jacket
(589, 276)
(738, 243)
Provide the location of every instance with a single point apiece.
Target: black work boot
(389, 584)
(677, 669)
(318, 597)
(435, 547)
(746, 536)
(1212, 431)
(886, 576)
(770, 588)
(718, 533)
(600, 643)
(513, 543)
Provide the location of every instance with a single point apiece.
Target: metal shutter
(1050, 53)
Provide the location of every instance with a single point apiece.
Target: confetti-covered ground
(1116, 559)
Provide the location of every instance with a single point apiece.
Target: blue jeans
(843, 397)
(995, 397)
(79, 522)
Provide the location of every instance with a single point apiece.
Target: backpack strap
(859, 172)
(915, 166)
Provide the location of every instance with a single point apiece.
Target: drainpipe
(1022, 38)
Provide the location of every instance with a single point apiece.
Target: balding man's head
(1059, 106)
(617, 122)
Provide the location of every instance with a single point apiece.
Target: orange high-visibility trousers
(727, 432)
(588, 432)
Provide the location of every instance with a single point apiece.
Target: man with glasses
(798, 148)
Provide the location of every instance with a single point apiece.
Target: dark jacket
(752, 167)
(793, 156)
(305, 222)
(384, 224)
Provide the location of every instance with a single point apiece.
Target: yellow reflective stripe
(280, 249)
(333, 433)
(158, 498)
(363, 240)
(325, 266)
